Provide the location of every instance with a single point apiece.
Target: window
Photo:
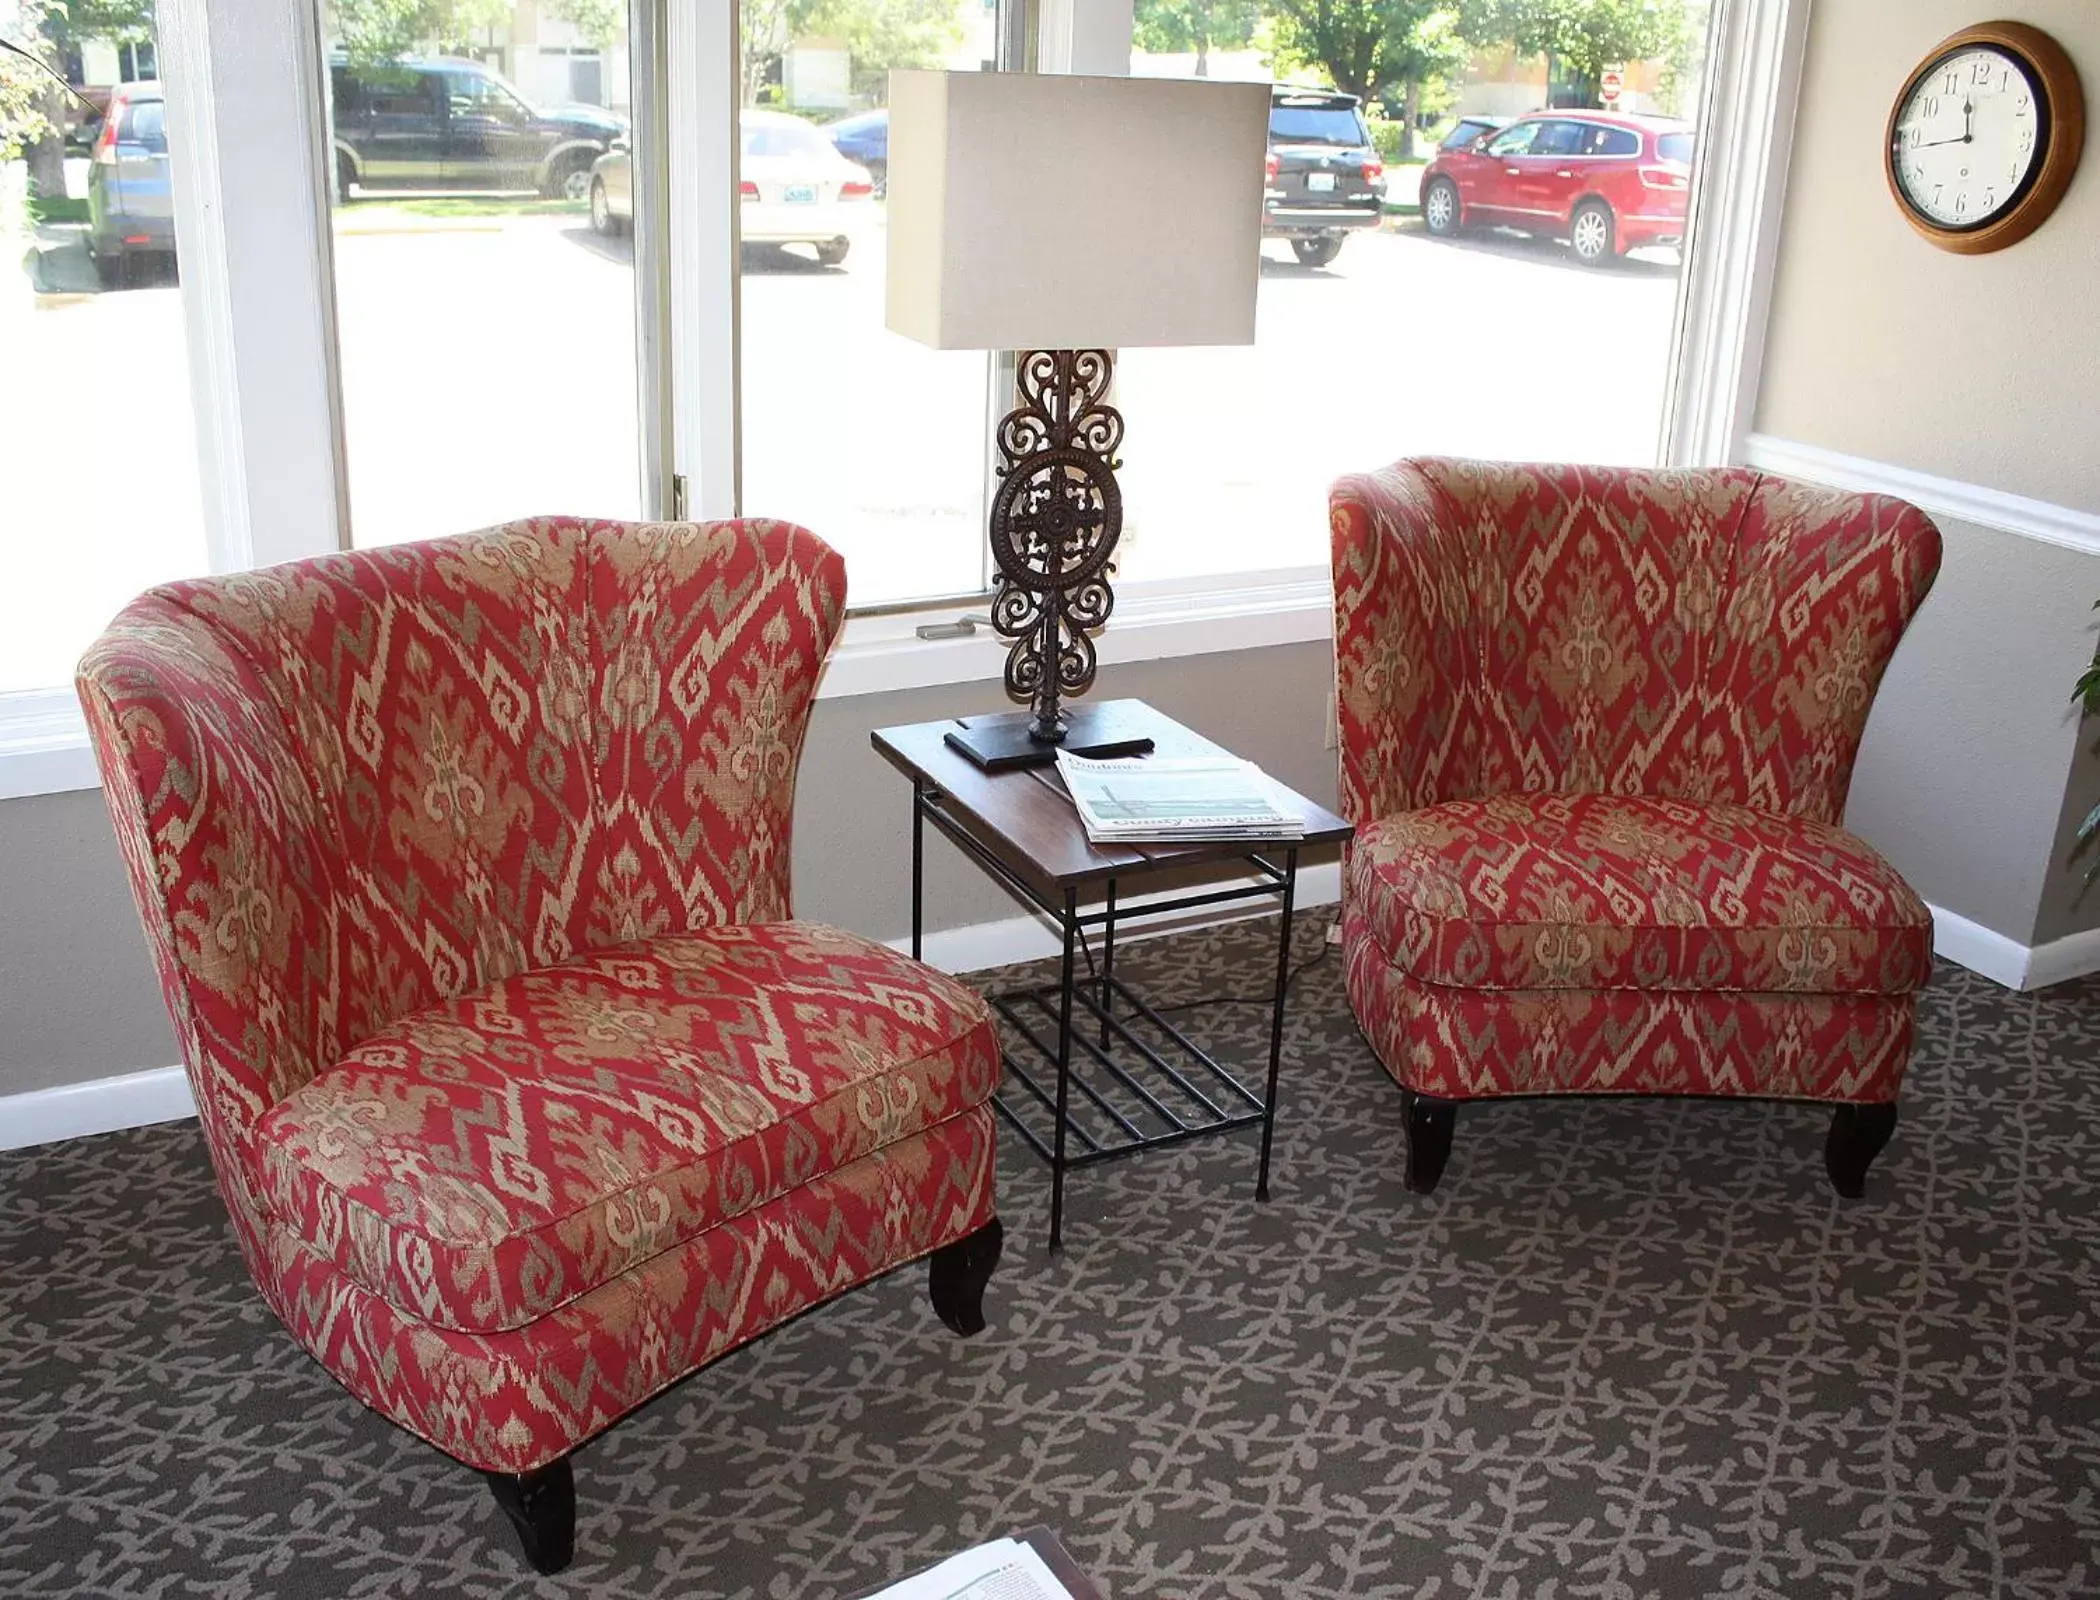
(1602, 141)
(1316, 125)
(879, 444)
(1514, 141)
(100, 497)
(1676, 147)
(484, 302)
(1377, 338)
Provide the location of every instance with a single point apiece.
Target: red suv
(1604, 182)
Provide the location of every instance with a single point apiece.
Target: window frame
(251, 181)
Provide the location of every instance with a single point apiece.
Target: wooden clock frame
(2063, 108)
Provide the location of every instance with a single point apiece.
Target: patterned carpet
(1626, 1350)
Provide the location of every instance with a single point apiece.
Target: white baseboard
(99, 1105)
(2006, 961)
(162, 1094)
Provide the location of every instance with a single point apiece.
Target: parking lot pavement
(488, 372)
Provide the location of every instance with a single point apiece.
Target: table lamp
(1065, 218)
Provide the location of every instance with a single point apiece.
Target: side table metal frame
(1217, 1101)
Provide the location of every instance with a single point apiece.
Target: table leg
(1108, 963)
(918, 864)
(1283, 980)
(1064, 1074)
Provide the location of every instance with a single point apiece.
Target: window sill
(44, 748)
(1239, 611)
(44, 745)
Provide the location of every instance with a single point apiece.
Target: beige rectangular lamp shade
(1040, 212)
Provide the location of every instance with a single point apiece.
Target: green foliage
(374, 32)
(118, 21)
(25, 86)
(1199, 25)
(1583, 36)
(597, 22)
(1365, 46)
(877, 34)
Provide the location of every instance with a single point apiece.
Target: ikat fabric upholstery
(1600, 891)
(465, 868)
(488, 1160)
(1597, 728)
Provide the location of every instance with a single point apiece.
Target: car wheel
(602, 220)
(345, 175)
(1317, 252)
(572, 179)
(833, 252)
(1440, 208)
(879, 176)
(109, 269)
(1592, 233)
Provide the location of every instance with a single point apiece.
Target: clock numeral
(1932, 106)
(1954, 83)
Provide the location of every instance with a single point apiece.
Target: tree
(597, 22)
(374, 32)
(1369, 47)
(877, 34)
(1198, 25)
(1583, 37)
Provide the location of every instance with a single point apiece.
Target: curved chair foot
(542, 1507)
(957, 1273)
(1857, 1134)
(1429, 1127)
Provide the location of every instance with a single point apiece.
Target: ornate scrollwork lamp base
(1054, 527)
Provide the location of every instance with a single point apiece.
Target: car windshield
(784, 139)
(1316, 125)
(1675, 147)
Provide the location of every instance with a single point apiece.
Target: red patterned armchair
(1597, 727)
(465, 868)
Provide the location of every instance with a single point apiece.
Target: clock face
(1969, 137)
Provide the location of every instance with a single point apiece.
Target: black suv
(1325, 180)
(439, 123)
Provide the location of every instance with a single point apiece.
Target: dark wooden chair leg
(957, 1274)
(542, 1507)
(1857, 1134)
(1429, 1126)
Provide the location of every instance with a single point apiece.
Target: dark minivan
(442, 123)
(1325, 180)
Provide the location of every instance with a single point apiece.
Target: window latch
(963, 627)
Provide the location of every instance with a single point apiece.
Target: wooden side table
(1129, 1080)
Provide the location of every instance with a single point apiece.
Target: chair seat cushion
(1599, 891)
(485, 1161)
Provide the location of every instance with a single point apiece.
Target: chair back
(1712, 635)
(352, 787)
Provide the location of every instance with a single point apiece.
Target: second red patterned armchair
(465, 868)
(1597, 728)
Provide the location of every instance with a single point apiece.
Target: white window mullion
(251, 227)
(1745, 140)
(701, 176)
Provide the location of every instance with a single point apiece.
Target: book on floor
(1175, 799)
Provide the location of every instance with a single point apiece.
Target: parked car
(440, 123)
(795, 187)
(1605, 182)
(130, 206)
(1324, 179)
(865, 139)
(1469, 130)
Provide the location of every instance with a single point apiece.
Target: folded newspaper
(1175, 799)
(1005, 1569)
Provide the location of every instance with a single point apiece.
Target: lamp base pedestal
(1001, 742)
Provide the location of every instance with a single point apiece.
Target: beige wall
(77, 994)
(1985, 370)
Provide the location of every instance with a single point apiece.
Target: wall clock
(1984, 138)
